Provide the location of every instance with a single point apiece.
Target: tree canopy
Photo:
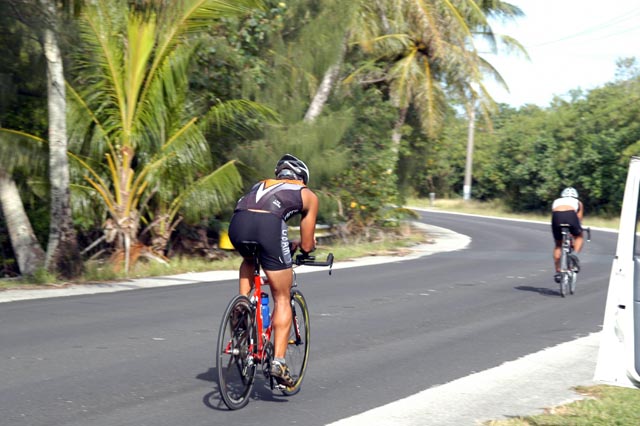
(174, 107)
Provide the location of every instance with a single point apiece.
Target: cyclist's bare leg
(246, 276)
(578, 241)
(557, 252)
(280, 283)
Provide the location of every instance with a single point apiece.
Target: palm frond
(190, 16)
(141, 34)
(21, 149)
(238, 116)
(430, 102)
(87, 205)
(491, 71)
(404, 75)
(512, 45)
(165, 108)
(96, 182)
(85, 122)
(210, 194)
(102, 41)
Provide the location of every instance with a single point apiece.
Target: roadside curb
(525, 386)
(443, 240)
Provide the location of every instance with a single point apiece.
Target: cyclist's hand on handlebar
(300, 258)
(297, 245)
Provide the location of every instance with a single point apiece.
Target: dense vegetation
(533, 152)
(173, 107)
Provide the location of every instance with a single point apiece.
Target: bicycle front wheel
(564, 284)
(234, 362)
(297, 354)
(572, 282)
(573, 276)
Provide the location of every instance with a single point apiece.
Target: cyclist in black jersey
(261, 216)
(570, 210)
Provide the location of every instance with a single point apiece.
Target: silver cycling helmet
(290, 167)
(569, 192)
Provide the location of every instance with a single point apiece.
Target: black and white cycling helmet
(290, 167)
(569, 192)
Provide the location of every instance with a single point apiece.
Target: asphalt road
(379, 333)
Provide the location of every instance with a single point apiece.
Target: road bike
(569, 265)
(245, 338)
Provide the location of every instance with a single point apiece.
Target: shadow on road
(213, 400)
(544, 291)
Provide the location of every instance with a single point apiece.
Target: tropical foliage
(532, 153)
(170, 109)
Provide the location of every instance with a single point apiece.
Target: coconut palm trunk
(27, 250)
(62, 251)
(329, 81)
(396, 135)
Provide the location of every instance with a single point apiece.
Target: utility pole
(471, 113)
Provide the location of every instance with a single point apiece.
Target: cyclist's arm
(580, 211)
(308, 221)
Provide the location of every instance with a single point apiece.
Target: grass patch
(392, 242)
(145, 268)
(498, 209)
(389, 243)
(604, 406)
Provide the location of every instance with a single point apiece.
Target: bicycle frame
(567, 248)
(568, 262)
(257, 347)
(247, 344)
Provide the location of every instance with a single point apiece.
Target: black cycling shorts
(269, 231)
(569, 217)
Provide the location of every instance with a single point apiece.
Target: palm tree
(28, 252)
(361, 22)
(473, 92)
(62, 255)
(136, 133)
(426, 52)
(62, 250)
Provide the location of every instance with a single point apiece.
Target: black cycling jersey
(280, 197)
(261, 216)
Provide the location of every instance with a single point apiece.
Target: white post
(466, 190)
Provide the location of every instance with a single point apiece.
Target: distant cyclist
(566, 209)
(261, 215)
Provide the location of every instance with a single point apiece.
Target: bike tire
(564, 284)
(297, 354)
(572, 282)
(236, 373)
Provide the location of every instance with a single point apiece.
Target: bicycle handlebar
(587, 229)
(311, 261)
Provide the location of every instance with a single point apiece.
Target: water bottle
(264, 302)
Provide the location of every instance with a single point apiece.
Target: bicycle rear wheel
(236, 370)
(297, 354)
